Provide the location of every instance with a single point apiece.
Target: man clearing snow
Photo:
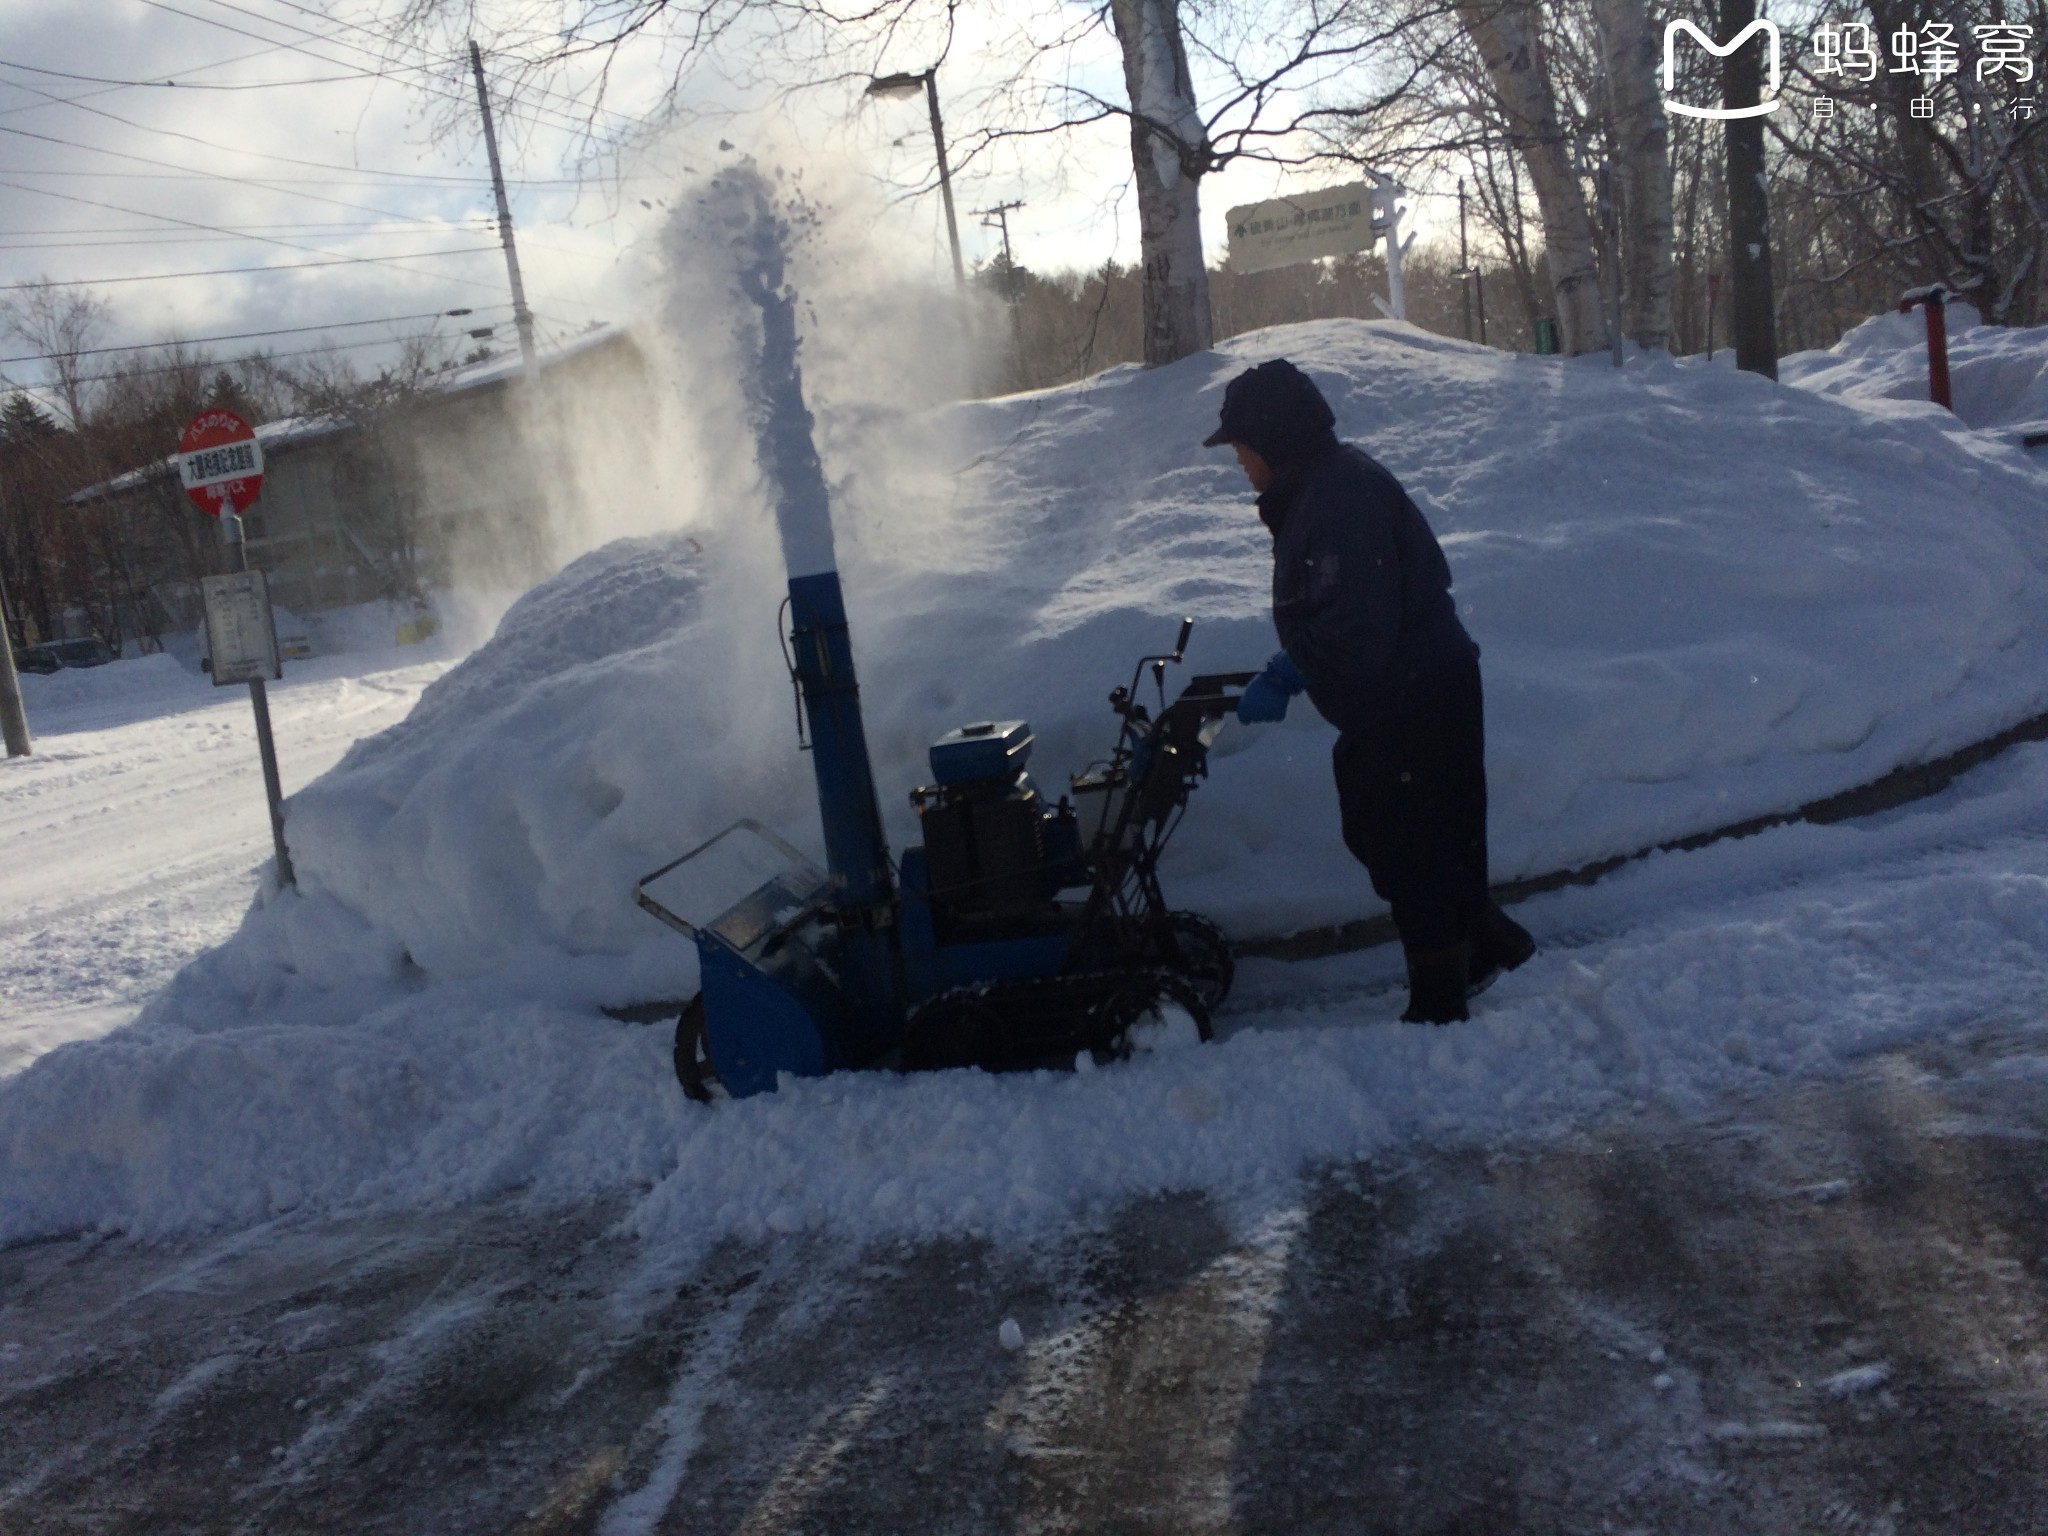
(1362, 602)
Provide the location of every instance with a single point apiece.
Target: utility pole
(521, 315)
(998, 217)
(13, 719)
(1752, 323)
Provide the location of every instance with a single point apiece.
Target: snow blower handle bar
(1158, 664)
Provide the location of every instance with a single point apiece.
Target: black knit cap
(1276, 411)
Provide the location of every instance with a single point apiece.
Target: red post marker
(1934, 299)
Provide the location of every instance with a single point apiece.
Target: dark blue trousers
(1412, 790)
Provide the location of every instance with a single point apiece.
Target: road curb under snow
(1901, 786)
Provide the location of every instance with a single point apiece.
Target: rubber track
(1902, 786)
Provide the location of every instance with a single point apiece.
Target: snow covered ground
(1998, 375)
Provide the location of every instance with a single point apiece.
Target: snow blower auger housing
(1018, 934)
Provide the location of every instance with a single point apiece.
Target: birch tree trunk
(1169, 153)
(1508, 36)
(1643, 175)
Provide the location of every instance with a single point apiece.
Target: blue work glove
(1265, 698)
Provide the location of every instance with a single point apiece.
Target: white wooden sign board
(1333, 222)
(241, 632)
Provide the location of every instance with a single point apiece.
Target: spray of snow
(742, 204)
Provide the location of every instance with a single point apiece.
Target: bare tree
(1901, 177)
(1509, 37)
(1642, 160)
(61, 324)
(1265, 67)
(1170, 152)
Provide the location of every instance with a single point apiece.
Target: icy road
(1814, 1303)
(129, 839)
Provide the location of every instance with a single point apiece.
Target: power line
(268, 357)
(449, 96)
(289, 330)
(259, 154)
(226, 149)
(281, 266)
(396, 41)
(151, 241)
(240, 181)
(370, 179)
(197, 69)
(234, 232)
(143, 213)
(173, 85)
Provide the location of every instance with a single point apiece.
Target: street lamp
(908, 85)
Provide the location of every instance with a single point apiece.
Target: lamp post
(908, 85)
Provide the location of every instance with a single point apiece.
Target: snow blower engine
(1019, 934)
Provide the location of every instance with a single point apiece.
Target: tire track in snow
(678, 1427)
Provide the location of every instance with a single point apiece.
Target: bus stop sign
(220, 462)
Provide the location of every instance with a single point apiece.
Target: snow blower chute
(1020, 933)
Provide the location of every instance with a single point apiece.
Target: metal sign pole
(13, 719)
(259, 702)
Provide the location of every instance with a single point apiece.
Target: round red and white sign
(220, 462)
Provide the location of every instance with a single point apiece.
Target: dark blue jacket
(1361, 591)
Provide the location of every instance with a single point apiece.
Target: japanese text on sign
(230, 462)
(1333, 222)
(241, 631)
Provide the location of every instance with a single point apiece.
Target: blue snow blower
(1019, 933)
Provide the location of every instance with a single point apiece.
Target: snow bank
(1701, 596)
(1998, 375)
(118, 682)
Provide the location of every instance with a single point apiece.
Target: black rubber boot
(1499, 943)
(1436, 986)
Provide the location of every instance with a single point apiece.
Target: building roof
(294, 431)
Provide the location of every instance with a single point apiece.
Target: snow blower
(1019, 934)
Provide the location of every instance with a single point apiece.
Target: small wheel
(1198, 950)
(1141, 1014)
(693, 1052)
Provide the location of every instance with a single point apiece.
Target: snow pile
(1701, 597)
(1998, 375)
(500, 828)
